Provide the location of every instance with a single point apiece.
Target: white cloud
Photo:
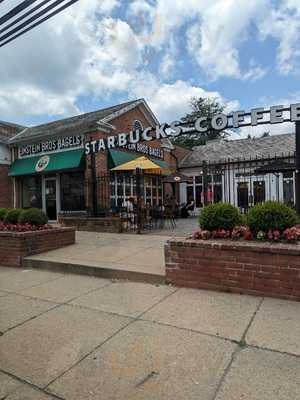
(34, 101)
(82, 51)
(224, 26)
(88, 51)
(255, 72)
(172, 101)
(283, 24)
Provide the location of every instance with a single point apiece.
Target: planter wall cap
(223, 244)
(34, 233)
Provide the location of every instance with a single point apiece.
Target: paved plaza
(110, 255)
(75, 337)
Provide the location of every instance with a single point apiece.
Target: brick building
(7, 130)
(51, 171)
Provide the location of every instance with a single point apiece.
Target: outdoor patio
(82, 338)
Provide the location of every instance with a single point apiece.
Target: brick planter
(90, 224)
(261, 269)
(14, 246)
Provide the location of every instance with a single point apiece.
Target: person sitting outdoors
(129, 211)
(188, 208)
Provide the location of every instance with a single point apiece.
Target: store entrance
(50, 198)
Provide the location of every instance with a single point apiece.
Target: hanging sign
(202, 125)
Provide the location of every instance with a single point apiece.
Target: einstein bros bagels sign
(52, 145)
(201, 126)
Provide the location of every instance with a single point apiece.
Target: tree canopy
(200, 107)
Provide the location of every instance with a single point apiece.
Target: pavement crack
(226, 371)
(242, 342)
(146, 378)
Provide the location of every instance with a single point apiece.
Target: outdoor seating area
(149, 218)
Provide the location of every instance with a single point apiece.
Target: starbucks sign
(201, 126)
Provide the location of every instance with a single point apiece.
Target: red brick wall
(14, 246)
(260, 269)
(180, 152)
(6, 187)
(123, 123)
(84, 223)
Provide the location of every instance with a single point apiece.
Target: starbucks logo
(42, 163)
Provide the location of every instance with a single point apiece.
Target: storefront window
(217, 188)
(243, 196)
(259, 192)
(217, 193)
(32, 192)
(288, 188)
(151, 188)
(72, 191)
(198, 196)
(189, 192)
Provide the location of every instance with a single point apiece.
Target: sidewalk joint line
(32, 385)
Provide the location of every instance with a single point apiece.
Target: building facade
(49, 168)
(7, 130)
(241, 172)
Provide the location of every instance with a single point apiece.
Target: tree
(200, 107)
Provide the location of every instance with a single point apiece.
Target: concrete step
(109, 272)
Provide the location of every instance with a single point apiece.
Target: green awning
(161, 163)
(117, 158)
(47, 163)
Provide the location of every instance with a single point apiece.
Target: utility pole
(297, 175)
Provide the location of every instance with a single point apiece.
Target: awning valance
(47, 163)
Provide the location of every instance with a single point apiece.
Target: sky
(98, 53)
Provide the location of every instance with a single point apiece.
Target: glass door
(50, 198)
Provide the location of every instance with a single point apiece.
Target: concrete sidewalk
(75, 337)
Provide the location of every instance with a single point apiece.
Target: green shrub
(219, 216)
(3, 213)
(12, 215)
(271, 215)
(33, 216)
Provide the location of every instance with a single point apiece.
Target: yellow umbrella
(142, 163)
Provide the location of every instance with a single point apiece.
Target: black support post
(138, 200)
(94, 184)
(204, 183)
(297, 175)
